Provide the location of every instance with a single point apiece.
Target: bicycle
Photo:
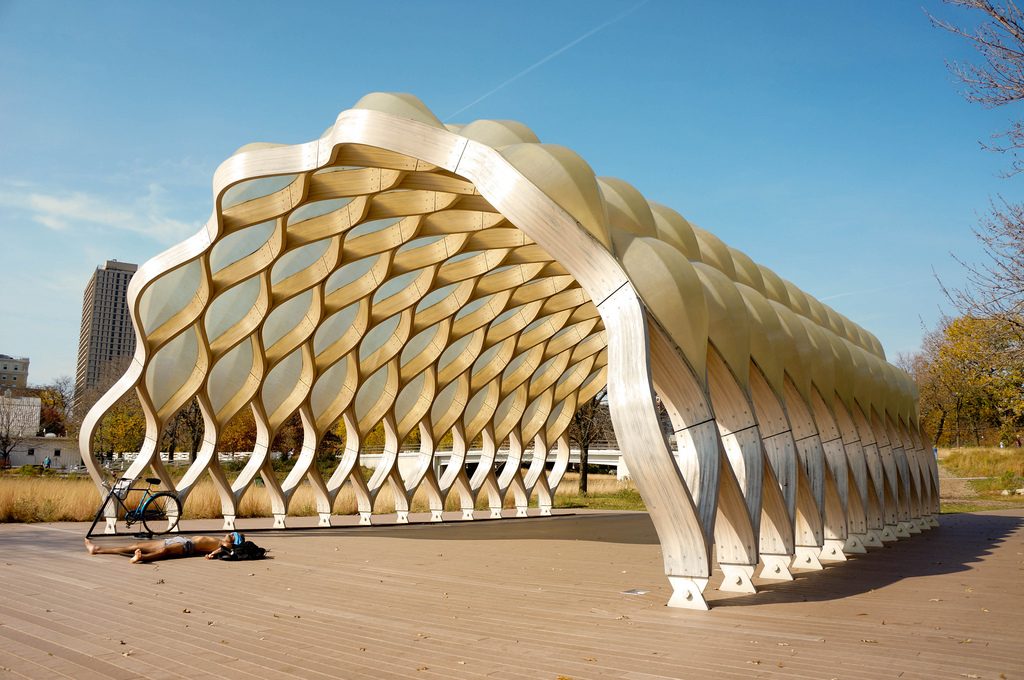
(158, 512)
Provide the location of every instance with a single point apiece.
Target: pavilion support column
(685, 548)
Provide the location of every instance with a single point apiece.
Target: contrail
(871, 290)
(548, 58)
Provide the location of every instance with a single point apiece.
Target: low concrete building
(62, 452)
(13, 371)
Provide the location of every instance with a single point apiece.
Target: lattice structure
(472, 281)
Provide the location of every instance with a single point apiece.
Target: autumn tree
(122, 428)
(56, 404)
(970, 387)
(239, 434)
(590, 424)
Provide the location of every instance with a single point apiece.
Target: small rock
(1004, 492)
(1019, 492)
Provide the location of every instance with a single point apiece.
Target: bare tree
(999, 78)
(187, 423)
(17, 422)
(591, 423)
(995, 287)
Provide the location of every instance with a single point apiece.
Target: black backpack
(246, 550)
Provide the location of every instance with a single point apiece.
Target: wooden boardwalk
(534, 598)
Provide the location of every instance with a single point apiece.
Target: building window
(56, 453)
(31, 452)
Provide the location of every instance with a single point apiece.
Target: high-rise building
(13, 371)
(108, 338)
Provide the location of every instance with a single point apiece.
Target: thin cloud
(145, 215)
(568, 46)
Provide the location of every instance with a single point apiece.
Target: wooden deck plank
(539, 598)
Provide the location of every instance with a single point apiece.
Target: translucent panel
(535, 324)
(444, 402)
(487, 356)
(417, 344)
(459, 257)
(281, 381)
(410, 394)
(395, 285)
(506, 315)
(230, 307)
(477, 403)
(472, 306)
(285, 317)
(595, 376)
(296, 260)
(572, 328)
(435, 296)
(371, 227)
(377, 336)
(545, 367)
(505, 407)
(229, 375)
(370, 392)
(349, 273)
(168, 295)
(254, 188)
(419, 243)
(328, 386)
(532, 409)
(240, 244)
(308, 211)
(515, 363)
(334, 327)
(171, 367)
(454, 351)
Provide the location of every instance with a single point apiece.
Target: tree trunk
(584, 464)
(940, 427)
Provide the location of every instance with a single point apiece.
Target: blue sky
(826, 140)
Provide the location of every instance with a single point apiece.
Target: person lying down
(232, 546)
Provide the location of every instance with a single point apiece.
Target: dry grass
(983, 462)
(55, 499)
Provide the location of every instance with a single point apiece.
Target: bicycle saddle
(153, 480)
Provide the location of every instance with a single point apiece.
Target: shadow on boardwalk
(957, 545)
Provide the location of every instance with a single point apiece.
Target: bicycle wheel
(161, 513)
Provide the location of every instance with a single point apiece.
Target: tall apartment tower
(108, 337)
